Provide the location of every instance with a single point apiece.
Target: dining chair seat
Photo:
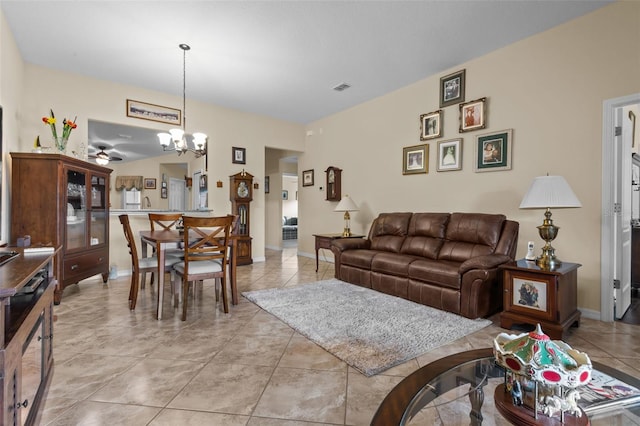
(197, 268)
(165, 221)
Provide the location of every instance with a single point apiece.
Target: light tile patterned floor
(116, 367)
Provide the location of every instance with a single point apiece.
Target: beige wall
(548, 88)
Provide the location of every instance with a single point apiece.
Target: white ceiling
(276, 58)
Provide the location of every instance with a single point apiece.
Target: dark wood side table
(533, 295)
(324, 241)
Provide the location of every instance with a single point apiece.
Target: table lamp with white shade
(548, 192)
(346, 205)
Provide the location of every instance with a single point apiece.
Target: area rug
(369, 330)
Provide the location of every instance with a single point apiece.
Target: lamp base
(548, 260)
(346, 232)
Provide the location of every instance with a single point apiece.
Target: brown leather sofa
(448, 261)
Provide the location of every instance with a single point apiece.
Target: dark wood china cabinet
(63, 202)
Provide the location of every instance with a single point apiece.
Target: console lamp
(178, 136)
(548, 192)
(346, 205)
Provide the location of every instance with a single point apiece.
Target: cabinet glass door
(99, 218)
(76, 209)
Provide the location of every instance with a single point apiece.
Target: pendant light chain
(176, 139)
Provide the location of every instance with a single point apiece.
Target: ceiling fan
(103, 158)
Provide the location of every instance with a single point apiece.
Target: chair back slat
(206, 238)
(164, 221)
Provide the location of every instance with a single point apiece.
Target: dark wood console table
(27, 285)
(324, 241)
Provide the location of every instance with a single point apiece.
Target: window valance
(128, 183)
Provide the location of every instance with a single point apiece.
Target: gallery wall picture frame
(452, 88)
(238, 155)
(153, 112)
(493, 151)
(431, 125)
(473, 115)
(266, 184)
(415, 159)
(449, 155)
(149, 183)
(285, 194)
(307, 178)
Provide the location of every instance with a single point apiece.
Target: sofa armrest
(342, 244)
(484, 262)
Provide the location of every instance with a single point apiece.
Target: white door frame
(607, 241)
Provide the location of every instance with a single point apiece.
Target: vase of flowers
(67, 126)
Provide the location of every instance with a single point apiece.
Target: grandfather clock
(241, 195)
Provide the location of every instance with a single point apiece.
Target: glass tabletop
(459, 390)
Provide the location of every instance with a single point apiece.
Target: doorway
(616, 207)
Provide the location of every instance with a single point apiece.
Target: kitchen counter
(133, 212)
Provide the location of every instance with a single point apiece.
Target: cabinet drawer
(83, 264)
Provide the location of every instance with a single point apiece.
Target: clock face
(243, 190)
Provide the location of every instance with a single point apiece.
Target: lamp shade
(346, 205)
(549, 191)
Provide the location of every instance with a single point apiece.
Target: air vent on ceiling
(340, 87)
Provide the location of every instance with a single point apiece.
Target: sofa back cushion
(426, 234)
(471, 234)
(388, 231)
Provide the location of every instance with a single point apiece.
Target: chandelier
(176, 139)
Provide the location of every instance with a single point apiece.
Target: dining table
(160, 239)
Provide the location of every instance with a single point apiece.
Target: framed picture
(452, 89)
(493, 151)
(149, 183)
(266, 184)
(530, 294)
(163, 192)
(473, 115)
(431, 125)
(145, 111)
(203, 182)
(449, 155)
(415, 159)
(238, 155)
(307, 178)
(285, 194)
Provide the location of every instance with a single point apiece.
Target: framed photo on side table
(431, 125)
(473, 115)
(449, 155)
(415, 159)
(493, 151)
(452, 88)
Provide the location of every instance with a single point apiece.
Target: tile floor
(116, 367)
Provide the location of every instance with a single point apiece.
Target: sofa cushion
(392, 263)
(440, 272)
(359, 258)
(471, 234)
(425, 235)
(388, 231)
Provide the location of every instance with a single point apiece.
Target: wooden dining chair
(165, 221)
(206, 241)
(142, 265)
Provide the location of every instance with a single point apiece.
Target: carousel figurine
(549, 369)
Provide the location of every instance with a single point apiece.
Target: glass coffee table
(459, 390)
